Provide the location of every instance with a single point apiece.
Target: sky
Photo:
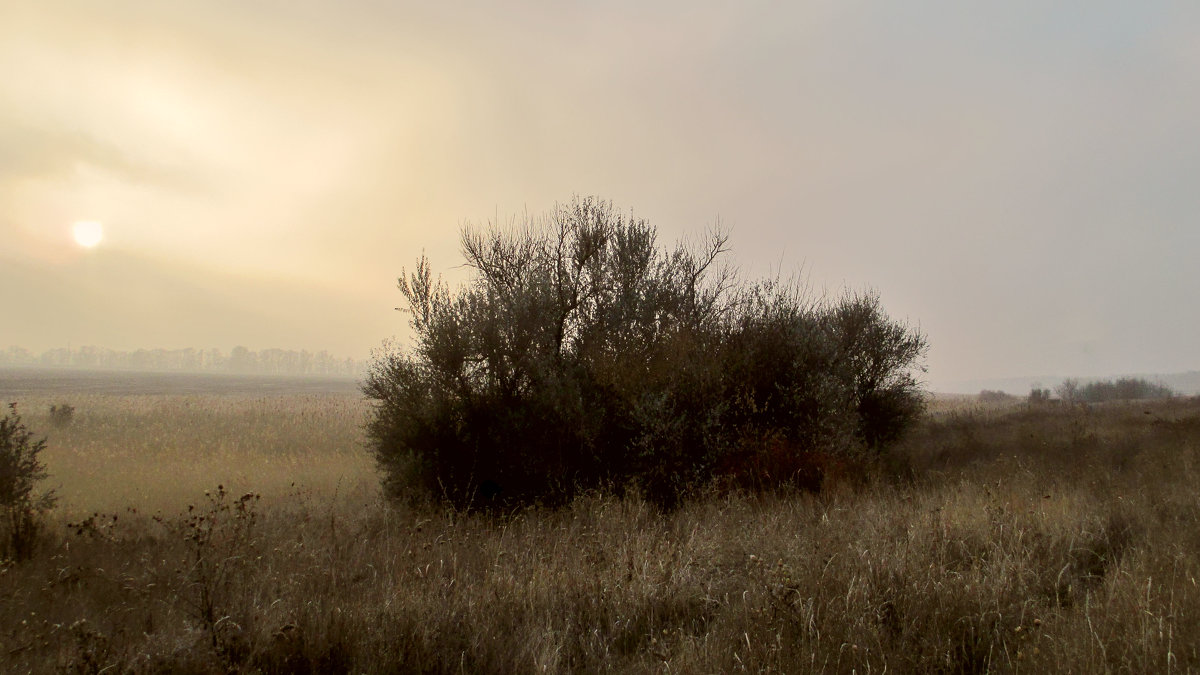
(1018, 179)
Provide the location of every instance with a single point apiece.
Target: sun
(88, 233)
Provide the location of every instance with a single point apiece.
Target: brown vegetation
(1012, 540)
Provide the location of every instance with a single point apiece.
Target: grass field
(160, 452)
(1021, 539)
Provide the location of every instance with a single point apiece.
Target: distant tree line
(1098, 391)
(239, 360)
(1125, 388)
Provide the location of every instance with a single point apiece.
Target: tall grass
(1023, 540)
(158, 452)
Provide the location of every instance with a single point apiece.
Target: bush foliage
(581, 354)
(995, 396)
(20, 470)
(62, 415)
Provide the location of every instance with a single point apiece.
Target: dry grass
(159, 452)
(1052, 540)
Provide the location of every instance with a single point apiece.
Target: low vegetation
(992, 396)
(62, 415)
(1013, 538)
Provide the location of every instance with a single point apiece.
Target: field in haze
(1011, 539)
(157, 440)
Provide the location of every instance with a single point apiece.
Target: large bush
(582, 354)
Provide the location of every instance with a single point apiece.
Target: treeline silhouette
(1123, 389)
(238, 360)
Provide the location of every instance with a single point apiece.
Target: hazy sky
(1022, 179)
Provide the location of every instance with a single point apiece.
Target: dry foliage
(1022, 540)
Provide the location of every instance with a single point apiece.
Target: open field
(996, 540)
(135, 441)
(27, 381)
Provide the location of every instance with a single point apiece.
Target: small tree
(1039, 395)
(1069, 390)
(20, 469)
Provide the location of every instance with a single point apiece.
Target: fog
(1016, 179)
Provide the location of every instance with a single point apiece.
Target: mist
(1014, 179)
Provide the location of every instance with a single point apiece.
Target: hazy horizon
(1186, 383)
(1015, 179)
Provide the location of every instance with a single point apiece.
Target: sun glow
(88, 233)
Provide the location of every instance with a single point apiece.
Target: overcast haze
(1018, 179)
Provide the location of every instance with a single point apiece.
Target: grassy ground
(1014, 540)
(161, 452)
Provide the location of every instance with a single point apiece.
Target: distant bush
(1039, 395)
(1126, 388)
(20, 469)
(990, 396)
(583, 355)
(1068, 391)
(62, 415)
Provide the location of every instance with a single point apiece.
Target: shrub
(995, 396)
(874, 356)
(583, 355)
(20, 469)
(62, 415)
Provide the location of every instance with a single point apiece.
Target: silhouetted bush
(62, 415)
(583, 355)
(995, 396)
(1039, 395)
(20, 469)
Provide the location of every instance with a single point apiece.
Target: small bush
(995, 396)
(583, 355)
(62, 415)
(20, 469)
